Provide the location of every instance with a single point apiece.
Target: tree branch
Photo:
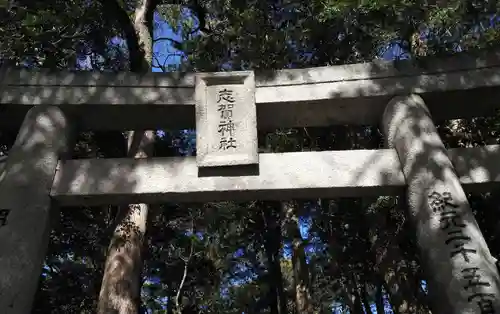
(200, 12)
(167, 38)
(162, 67)
(121, 16)
(184, 275)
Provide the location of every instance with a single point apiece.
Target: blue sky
(165, 55)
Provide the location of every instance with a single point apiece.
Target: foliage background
(245, 257)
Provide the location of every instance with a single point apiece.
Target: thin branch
(167, 38)
(162, 67)
(183, 281)
(184, 275)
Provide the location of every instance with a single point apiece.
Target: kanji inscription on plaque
(226, 119)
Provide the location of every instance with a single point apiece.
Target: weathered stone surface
(281, 176)
(226, 119)
(25, 205)
(462, 276)
(347, 94)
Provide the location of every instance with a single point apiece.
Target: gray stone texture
(25, 183)
(355, 94)
(226, 119)
(347, 94)
(281, 176)
(458, 262)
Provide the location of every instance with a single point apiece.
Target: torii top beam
(347, 94)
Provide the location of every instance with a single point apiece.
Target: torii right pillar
(462, 276)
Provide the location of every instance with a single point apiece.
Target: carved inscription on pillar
(226, 119)
(4, 213)
(477, 288)
(464, 274)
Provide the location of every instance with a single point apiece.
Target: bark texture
(272, 243)
(300, 270)
(121, 285)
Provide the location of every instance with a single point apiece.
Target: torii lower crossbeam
(281, 176)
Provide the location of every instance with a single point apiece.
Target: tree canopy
(351, 255)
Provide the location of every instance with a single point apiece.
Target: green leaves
(347, 234)
(171, 14)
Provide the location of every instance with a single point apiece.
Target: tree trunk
(121, 285)
(272, 246)
(120, 290)
(379, 297)
(349, 300)
(354, 294)
(364, 296)
(394, 266)
(170, 302)
(382, 234)
(300, 268)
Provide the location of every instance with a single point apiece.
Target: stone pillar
(461, 273)
(25, 204)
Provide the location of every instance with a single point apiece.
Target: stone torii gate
(227, 109)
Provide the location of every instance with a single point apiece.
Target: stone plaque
(226, 119)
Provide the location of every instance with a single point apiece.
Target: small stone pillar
(25, 204)
(461, 273)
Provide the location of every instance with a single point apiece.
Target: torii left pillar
(25, 204)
